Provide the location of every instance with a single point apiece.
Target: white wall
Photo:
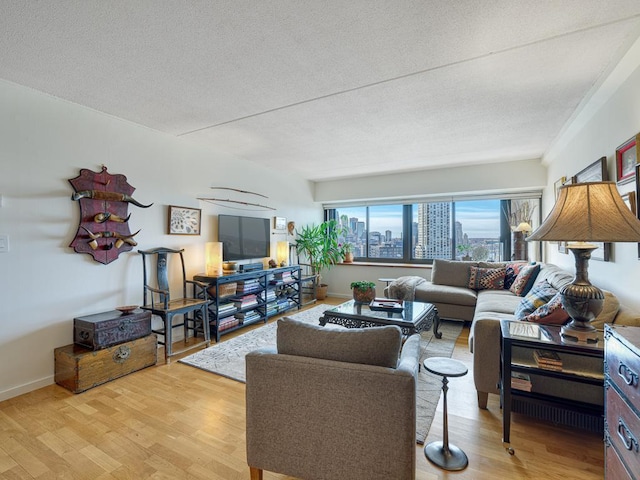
(500, 177)
(44, 284)
(607, 121)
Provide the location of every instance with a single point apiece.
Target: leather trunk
(79, 368)
(102, 330)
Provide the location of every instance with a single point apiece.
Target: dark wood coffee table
(415, 317)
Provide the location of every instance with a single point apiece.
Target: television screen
(244, 237)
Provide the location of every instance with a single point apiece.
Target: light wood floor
(173, 421)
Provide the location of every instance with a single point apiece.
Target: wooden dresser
(622, 402)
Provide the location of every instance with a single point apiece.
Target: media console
(244, 298)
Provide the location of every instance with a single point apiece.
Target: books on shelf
(520, 381)
(246, 286)
(268, 295)
(246, 301)
(226, 309)
(247, 317)
(548, 360)
(227, 323)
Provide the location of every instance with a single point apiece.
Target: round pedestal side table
(444, 454)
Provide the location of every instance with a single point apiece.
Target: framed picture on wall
(279, 223)
(626, 160)
(596, 172)
(184, 220)
(637, 195)
(629, 200)
(557, 184)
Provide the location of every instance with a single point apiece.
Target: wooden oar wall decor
(231, 203)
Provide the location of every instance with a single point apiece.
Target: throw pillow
(450, 272)
(486, 278)
(512, 271)
(609, 311)
(371, 346)
(525, 279)
(537, 297)
(551, 313)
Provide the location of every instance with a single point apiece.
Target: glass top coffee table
(415, 317)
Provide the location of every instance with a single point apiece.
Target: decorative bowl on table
(127, 309)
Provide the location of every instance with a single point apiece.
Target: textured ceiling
(329, 89)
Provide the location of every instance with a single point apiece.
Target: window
(421, 232)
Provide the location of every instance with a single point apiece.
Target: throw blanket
(404, 288)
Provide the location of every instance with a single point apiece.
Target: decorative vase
(348, 257)
(364, 296)
(321, 291)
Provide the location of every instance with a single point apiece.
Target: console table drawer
(623, 429)
(623, 369)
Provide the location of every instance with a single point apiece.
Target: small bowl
(127, 308)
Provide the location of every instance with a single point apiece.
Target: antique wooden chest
(102, 330)
(78, 368)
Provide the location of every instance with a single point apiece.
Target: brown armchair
(333, 403)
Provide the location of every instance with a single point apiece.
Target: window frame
(407, 222)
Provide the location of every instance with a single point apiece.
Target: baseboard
(26, 388)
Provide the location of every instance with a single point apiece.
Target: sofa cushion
(551, 313)
(451, 272)
(609, 311)
(539, 295)
(525, 280)
(372, 346)
(431, 293)
(553, 274)
(500, 301)
(486, 278)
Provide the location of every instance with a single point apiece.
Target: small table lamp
(586, 212)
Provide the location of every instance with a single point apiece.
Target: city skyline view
(480, 218)
(379, 228)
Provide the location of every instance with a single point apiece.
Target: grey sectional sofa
(449, 291)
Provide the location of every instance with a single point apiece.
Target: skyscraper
(434, 229)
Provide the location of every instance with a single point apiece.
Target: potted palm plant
(363, 291)
(319, 244)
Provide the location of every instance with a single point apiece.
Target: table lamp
(586, 212)
(214, 259)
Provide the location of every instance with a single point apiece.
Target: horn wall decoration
(103, 230)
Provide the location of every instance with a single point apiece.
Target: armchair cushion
(371, 346)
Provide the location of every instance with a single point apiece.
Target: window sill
(386, 265)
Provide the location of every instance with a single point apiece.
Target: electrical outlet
(4, 243)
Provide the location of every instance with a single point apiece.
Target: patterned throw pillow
(551, 313)
(525, 279)
(486, 278)
(539, 295)
(513, 269)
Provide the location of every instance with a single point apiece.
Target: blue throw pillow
(539, 295)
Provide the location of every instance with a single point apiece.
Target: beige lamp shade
(523, 227)
(214, 258)
(282, 253)
(589, 212)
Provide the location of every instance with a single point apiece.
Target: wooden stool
(444, 454)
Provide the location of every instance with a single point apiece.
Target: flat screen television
(244, 238)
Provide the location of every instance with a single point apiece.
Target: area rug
(227, 359)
